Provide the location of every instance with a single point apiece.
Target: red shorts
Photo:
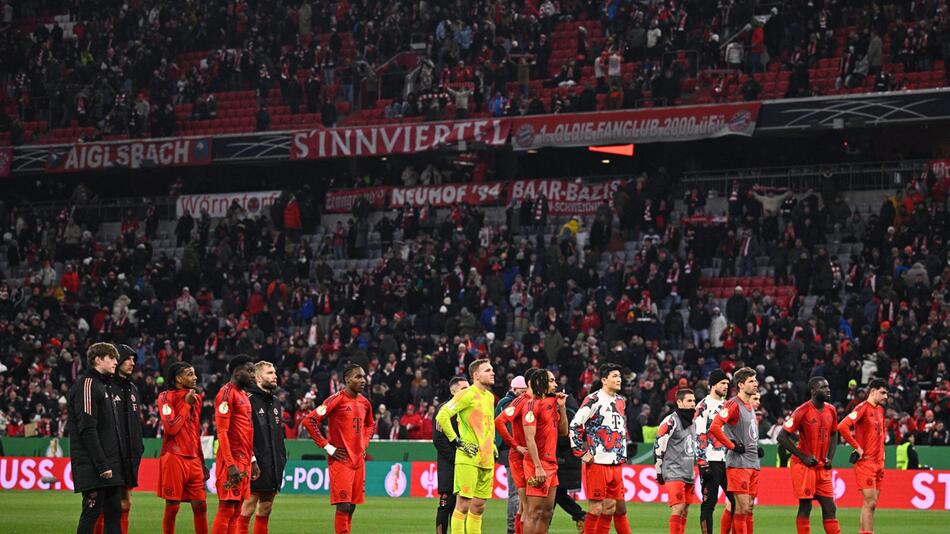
(869, 476)
(680, 492)
(603, 482)
(811, 482)
(180, 478)
(545, 489)
(742, 480)
(516, 465)
(347, 484)
(240, 491)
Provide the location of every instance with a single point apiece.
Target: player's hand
(255, 471)
(234, 475)
(760, 452)
(660, 480)
(191, 396)
(340, 454)
(587, 458)
(540, 476)
(205, 471)
(827, 464)
(470, 449)
(106, 474)
(860, 452)
(810, 461)
(561, 399)
(522, 450)
(739, 448)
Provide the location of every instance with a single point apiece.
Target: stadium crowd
(120, 67)
(451, 286)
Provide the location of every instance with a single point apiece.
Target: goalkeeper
(475, 444)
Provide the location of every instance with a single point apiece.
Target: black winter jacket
(130, 428)
(93, 427)
(268, 440)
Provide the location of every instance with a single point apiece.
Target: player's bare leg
(200, 511)
(519, 518)
(248, 507)
(599, 512)
(743, 510)
(725, 522)
(868, 508)
(539, 514)
(621, 524)
(829, 512)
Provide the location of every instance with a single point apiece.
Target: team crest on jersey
(853, 416)
(529, 417)
(166, 410)
(789, 423)
(223, 408)
(724, 413)
(261, 412)
(509, 411)
(322, 410)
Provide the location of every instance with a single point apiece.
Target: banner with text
(440, 196)
(217, 205)
(566, 197)
(648, 125)
(342, 201)
(129, 155)
(382, 140)
(910, 490)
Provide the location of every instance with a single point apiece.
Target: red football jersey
(512, 414)
(181, 423)
(869, 433)
(232, 417)
(350, 425)
(543, 414)
(814, 428)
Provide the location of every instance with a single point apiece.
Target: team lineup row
(717, 436)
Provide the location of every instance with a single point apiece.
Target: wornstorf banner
(217, 206)
(566, 197)
(383, 140)
(129, 155)
(649, 125)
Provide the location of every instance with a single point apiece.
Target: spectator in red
(70, 281)
(757, 54)
(411, 423)
(292, 217)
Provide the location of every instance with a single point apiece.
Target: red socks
(831, 526)
(260, 524)
(200, 511)
(749, 525)
(603, 524)
(739, 525)
(225, 520)
(590, 523)
(168, 518)
(677, 524)
(100, 525)
(342, 523)
(124, 522)
(725, 523)
(243, 524)
(803, 525)
(622, 525)
(519, 526)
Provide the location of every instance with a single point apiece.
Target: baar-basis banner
(566, 197)
(129, 155)
(387, 139)
(341, 201)
(648, 125)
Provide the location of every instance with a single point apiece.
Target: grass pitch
(34, 512)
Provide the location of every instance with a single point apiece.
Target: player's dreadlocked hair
(539, 383)
(348, 369)
(174, 370)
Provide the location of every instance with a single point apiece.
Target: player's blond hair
(260, 366)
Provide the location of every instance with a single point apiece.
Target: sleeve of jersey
(578, 428)
(702, 438)
(173, 417)
(834, 413)
(528, 417)
(662, 439)
(846, 424)
(501, 426)
(452, 408)
(794, 421)
(222, 421)
(313, 421)
(729, 414)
